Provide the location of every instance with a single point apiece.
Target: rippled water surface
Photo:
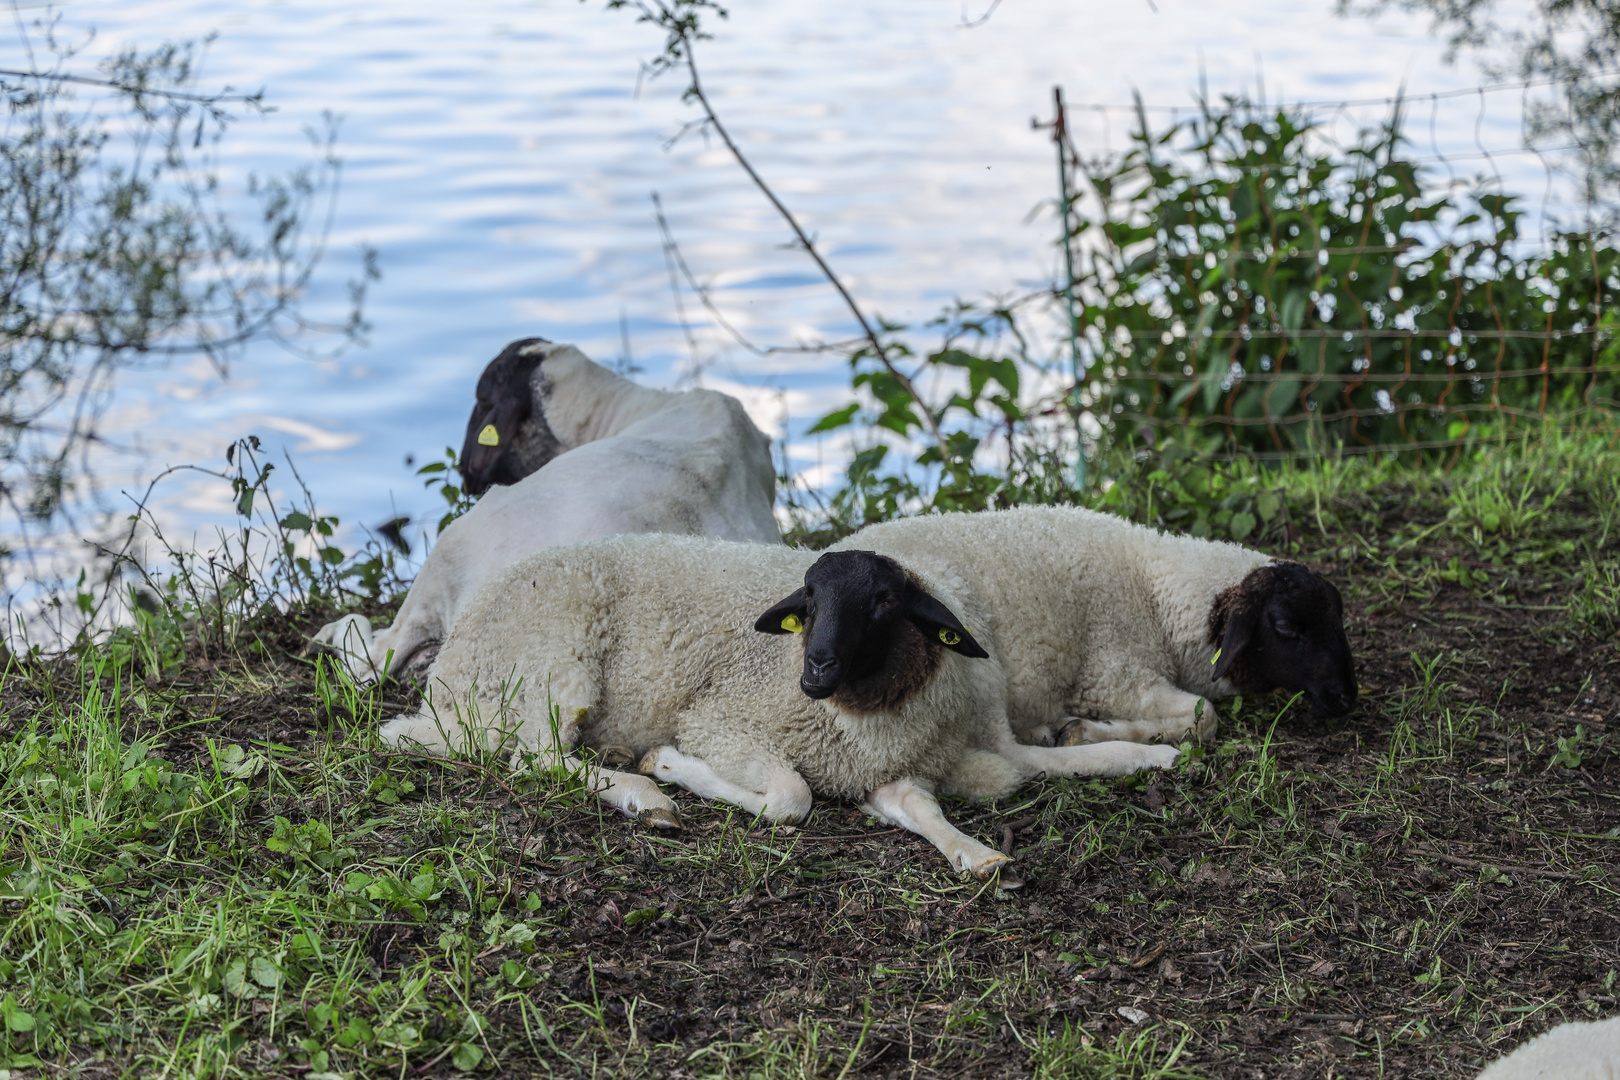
(501, 155)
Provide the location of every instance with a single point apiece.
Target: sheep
(863, 682)
(1111, 630)
(1572, 1051)
(603, 456)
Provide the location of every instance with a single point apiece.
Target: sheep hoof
(615, 757)
(648, 765)
(1007, 881)
(1073, 733)
(656, 817)
(992, 868)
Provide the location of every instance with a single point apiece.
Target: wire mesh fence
(1251, 291)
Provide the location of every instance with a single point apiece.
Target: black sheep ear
(786, 616)
(1241, 626)
(935, 620)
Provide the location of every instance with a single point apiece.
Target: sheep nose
(820, 670)
(1340, 698)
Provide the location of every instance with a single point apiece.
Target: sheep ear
(785, 616)
(935, 620)
(1241, 625)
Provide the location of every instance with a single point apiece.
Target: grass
(210, 869)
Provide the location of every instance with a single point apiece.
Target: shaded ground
(1402, 893)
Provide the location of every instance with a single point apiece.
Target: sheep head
(1282, 626)
(507, 436)
(872, 634)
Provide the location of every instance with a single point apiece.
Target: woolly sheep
(866, 684)
(1127, 630)
(1575, 1051)
(603, 456)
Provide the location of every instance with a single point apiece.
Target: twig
(1470, 864)
(254, 100)
(682, 29)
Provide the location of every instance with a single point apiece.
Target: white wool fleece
(1567, 1052)
(646, 641)
(1092, 616)
(636, 460)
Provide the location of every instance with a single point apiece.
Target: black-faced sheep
(866, 683)
(1110, 630)
(604, 456)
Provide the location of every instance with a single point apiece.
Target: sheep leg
(912, 806)
(350, 639)
(632, 795)
(1158, 711)
(786, 798)
(1093, 759)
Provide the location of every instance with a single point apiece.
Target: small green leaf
(836, 419)
(641, 915)
(516, 974)
(467, 1056)
(265, 972)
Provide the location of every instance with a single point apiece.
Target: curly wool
(1092, 615)
(644, 641)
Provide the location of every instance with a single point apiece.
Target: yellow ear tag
(950, 637)
(489, 436)
(793, 624)
(1215, 659)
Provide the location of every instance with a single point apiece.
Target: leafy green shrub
(1177, 490)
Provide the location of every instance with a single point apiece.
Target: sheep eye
(1285, 629)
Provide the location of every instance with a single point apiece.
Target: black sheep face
(872, 633)
(507, 434)
(1283, 627)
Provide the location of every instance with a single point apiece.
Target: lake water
(501, 155)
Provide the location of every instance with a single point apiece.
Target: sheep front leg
(786, 798)
(350, 639)
(1158, 711)
(912, 806)
(632, 795)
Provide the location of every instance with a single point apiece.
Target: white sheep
(1574, 1051)
(611, 457)
(654, 643)
(1131, 629)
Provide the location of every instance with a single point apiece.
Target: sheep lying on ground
(1131, 629)
(637, 460)
(1567, 1052)
(652, 643)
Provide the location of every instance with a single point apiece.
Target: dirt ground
(1404, 892)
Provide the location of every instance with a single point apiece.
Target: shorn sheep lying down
(588, 454)
(1567, 1052)
(865, 683)
(1124, 629)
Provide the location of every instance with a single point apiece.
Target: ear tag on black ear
(793, 624)
(489, 436)
(1215, 659)
(950, 637)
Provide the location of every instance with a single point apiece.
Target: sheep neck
(1185, 579)
(911, 663)
(585, 401)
